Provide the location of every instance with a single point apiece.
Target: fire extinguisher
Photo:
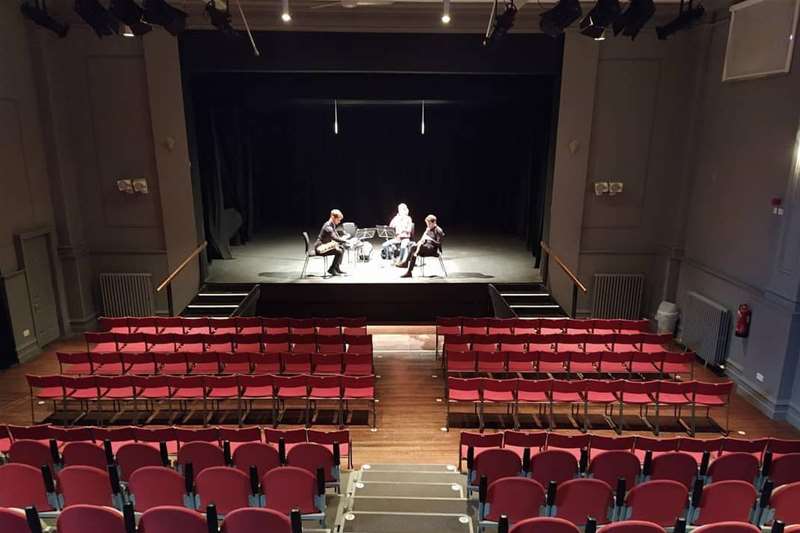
(743, 315)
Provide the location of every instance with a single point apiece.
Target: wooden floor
(410, 413)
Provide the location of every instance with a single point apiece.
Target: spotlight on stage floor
(634, 18)
(601, 16)
(554, 21)
(500, 23)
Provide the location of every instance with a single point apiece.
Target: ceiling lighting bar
(286, 16)
(445, 11)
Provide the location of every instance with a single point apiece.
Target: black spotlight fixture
(131, 15)
(36, 10)
(159, 12)
(634, 18)
(221, 18)
(500, 23)
(97, 17)
(599, 18)
(554, 21)
(684, 20)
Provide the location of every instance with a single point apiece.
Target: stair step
(222, 294)
(534, 306)
(212, 306)
(524, 294)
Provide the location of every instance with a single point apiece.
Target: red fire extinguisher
(743, 315)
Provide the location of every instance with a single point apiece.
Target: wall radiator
(127, 294)
(617, 295)
(706, 328)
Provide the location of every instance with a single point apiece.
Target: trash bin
(667, 317)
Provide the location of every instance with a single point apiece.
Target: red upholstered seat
(154, 486)
(660, 501)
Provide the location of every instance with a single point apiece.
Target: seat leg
(305, 266)
(441, 262)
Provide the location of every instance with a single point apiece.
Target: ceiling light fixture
(36, 10)
(446, 12)
(602, 15)
(127, 31)
(684, 20)
(159, 12)
(554, 21)
(220, 18)
(633, 19)
(335, 117)
(422, 124)
(98, 17)
(130, 13)
(286, 16)
(500, 24)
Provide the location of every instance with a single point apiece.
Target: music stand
(386, 232)
(365, 233)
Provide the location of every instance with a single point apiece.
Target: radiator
(127, 294)
(705, 328)
(617, 296)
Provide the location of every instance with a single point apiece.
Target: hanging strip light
(335, 117)
(445, 11)
(422, 124)
(285, 15)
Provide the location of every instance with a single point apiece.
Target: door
(41, 286)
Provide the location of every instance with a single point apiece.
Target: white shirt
(403, 225)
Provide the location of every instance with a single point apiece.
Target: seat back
(726, 500)
(311, 456)
(306, 242)
(135, 455)
(676, 466)
(785, 469)
(22, 485)
(227, 488)
(661, 501)
(516, 497)
(544, 524)
(89, 519)
(169, 519)
(632, 526)
(153, 486)
(728, 527)
(201, 454)
(30, 452)
(263, 456)
(495, 463)
(553, 465)
(13, 521)
(734, 466)
(84, 484)
(288, 487)
(578, 499)
(785, 502)
(84, 453)
(252, 519)
(614, 464)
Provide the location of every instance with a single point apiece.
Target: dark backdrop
(264, 146)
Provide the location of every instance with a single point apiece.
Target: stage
(278, 258)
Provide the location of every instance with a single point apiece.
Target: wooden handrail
(178, 270)
(564, 267)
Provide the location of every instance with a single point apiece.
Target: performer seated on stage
(403, 226)
(330, 243)
(428, 245)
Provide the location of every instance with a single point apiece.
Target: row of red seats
(183, 363)
(468, 325)
(549, 524)
(578, 363)
(225, 342)
(589, 342)
(175, 436)
(538, 441)
(582, 392)
(587, 502)
(240, 387)
(161, 519)
(238, 324)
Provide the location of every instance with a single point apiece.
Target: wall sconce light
(140, 186)
(610, 188)
(600, 188)
(614, 187)
(133, 185)
(125, 185)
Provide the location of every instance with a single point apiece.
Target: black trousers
(427, 249)
(337, 254)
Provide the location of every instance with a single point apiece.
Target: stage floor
(278, 258)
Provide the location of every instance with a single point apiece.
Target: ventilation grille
(705, 328)
(127, 294)
(618, 296)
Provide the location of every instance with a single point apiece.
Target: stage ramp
(397, 498)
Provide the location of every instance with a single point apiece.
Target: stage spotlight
(633, 19)
(131, 14)
(286, 16)
(446, 12)
(602, 15)
(684, 19)
(221, 18)
(499, 24)
(36, 10)
(555, 20)
(159, 12)
(96, 16)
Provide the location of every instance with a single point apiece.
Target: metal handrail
(576, 283)
(167, 283)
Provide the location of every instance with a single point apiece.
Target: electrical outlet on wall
(759, 377)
